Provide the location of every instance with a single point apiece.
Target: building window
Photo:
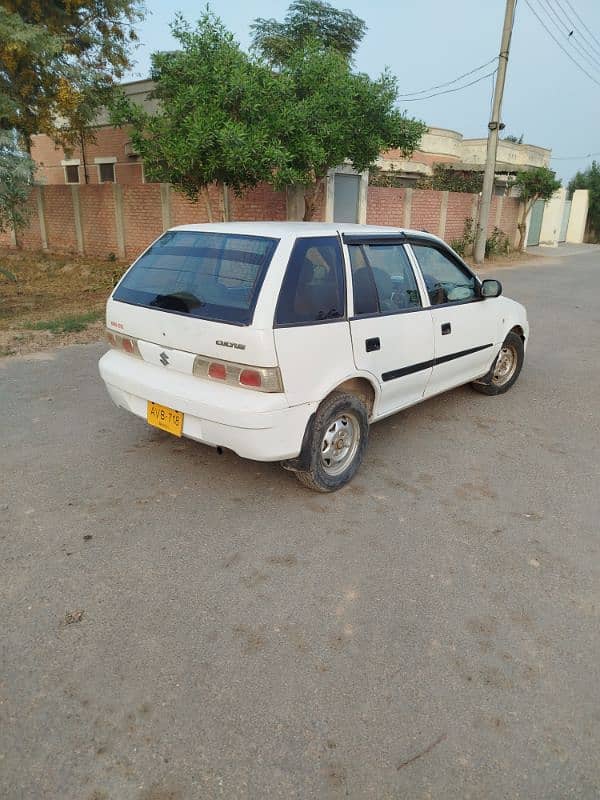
(106, 173)
(72, 173)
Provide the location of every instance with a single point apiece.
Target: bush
(464, 245)
(497, 244)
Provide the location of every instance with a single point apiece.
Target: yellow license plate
(165, 418)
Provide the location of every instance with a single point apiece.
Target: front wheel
(337, 443)
(505, 369)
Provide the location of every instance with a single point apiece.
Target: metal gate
(565, 221)
(535, 225)
(345, 197)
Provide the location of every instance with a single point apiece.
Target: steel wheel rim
(339, 444)
(506, 365)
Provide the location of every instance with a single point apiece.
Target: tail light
(125, 343)
(262, 379)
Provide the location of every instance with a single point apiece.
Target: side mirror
(491, 288)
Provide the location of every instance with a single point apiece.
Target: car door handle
(373, 344)
(446, 328)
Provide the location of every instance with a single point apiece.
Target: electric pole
(493, 133)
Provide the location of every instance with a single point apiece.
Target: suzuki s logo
(234, 345)
(164, 358)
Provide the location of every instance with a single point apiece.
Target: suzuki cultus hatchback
(285, 341)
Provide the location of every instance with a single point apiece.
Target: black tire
(493, 383)
(320, 476)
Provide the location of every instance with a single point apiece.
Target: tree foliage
(590, 180)
(57, 60)
(307, 22)
(216, 114)
(538, 183)
(228, 118)
(16, 176)
(511, 137)
(332, 115)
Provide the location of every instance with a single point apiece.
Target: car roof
(287, 229)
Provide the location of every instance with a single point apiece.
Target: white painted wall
(578, 218)
(552, 219)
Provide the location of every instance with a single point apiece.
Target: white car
(285, 341)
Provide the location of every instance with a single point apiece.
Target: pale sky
(430, 42)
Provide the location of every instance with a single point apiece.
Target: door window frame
(352, 240)
(448, 253)
(343, 291)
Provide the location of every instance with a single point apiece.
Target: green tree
(332, 115)
(590, 180)
(512, 138)
(538, 183)
(307, 21)
(57, 58)
(16, 176)
(216, 115)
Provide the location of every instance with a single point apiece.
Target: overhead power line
(574, 158)
(449, 83)
(585, 27)
(559, 43)
(570, 34)
(449, 91)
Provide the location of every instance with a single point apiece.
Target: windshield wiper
(179, 301)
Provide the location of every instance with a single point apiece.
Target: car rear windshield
(214, 276)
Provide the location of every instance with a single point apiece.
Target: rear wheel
(505, 369)
(337, 443)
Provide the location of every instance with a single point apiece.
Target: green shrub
(464, 245)
(497, 244)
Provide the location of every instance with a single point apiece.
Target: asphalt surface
(431, 631)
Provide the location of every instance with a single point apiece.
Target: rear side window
(313, 289)
(383, 279)
(215, 276)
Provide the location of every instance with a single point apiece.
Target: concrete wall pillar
(119, 219)
(443, 215)
(407, 216)
(294, 200)
(77, 218)
(165, 205)
(499, 206)
(363, 191)
(329, 195)
(39, 191)
(475, 210)
(578, 217)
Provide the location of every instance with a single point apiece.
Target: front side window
(383, 279)
(214, 276)
(313, 287)
(446, 281)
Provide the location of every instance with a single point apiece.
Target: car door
(311, 329)
(465, 326)
(391, 329)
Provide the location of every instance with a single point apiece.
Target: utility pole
(493, 133)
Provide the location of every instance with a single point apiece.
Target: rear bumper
(254, 425)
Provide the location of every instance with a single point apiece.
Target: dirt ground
(66, 291)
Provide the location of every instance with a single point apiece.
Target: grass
(68, 324)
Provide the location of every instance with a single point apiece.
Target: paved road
(431, 631)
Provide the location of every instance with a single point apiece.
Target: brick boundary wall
(100, 219)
